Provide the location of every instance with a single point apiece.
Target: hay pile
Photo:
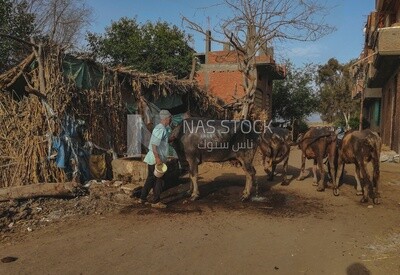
(36, 96)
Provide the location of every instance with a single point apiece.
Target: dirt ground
(294, 230)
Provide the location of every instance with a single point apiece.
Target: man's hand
(158, 161)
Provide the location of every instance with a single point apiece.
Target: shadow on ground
(224, 193)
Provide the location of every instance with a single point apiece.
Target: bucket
(160, 170)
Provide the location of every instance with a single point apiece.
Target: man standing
(158, 152)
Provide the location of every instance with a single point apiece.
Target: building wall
(224, 84)
(390, 125)
(396, 115)
(386, 113)
(264, 83)
(220, 76)
(386, 73)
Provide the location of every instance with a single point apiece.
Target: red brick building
(219, 74)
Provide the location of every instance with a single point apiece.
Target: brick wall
(224, 84)
(221, 77)
(218, 57)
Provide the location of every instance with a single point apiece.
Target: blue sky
(348, 16)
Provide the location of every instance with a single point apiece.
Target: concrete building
(219, 74)
(377, 72)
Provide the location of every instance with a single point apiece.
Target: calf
(316, 144)
(275, 148)
(360, 147)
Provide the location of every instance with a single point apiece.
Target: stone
(132, 170)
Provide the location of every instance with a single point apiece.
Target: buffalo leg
(364, 180)
(285, 165)
(357, 176)
(268, 167)
(250, 174)
(302, 175)
(314, 170)
(271, 176)
(194, 188)
(375, 179)
(330, 178)
(338, 176)
(321, 183)
(190, 191)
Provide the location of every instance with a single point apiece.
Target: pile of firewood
(27, 123)
(36, 96)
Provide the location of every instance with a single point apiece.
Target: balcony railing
(386, 58)
(389, 41)
(373, 93)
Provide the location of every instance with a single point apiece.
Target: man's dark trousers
(152, 182)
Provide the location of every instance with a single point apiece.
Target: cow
(198, 140)
(360, 148)
(316, 144)
(275, 148)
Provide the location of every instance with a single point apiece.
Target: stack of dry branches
(28, 122)
(200, 102)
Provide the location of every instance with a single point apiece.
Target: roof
(87, 74)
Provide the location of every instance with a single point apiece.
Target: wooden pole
(63, 189)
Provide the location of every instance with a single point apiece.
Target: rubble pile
(30, 215)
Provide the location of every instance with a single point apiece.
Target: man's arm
(155, 153)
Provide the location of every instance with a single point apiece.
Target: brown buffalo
(316, 144)
(275, 148)
(361, 147)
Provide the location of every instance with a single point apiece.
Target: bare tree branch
(254, 24)
(18, 39)
(61, 21)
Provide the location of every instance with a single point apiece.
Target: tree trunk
(64, 189)
(346, 119)
(292, 130)
(249, 70)
(193, 70)
(250, 89)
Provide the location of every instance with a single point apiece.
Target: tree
(151, 47)
(294, 98)
(254, 24)
(60, 21)
(14, 22)
(334, 83)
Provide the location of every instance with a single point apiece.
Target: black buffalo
(198, 140)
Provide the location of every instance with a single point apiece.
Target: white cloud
(305, 52)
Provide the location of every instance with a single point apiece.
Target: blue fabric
(69, 145)
(59, 146)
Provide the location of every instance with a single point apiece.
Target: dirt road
(296, 230)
